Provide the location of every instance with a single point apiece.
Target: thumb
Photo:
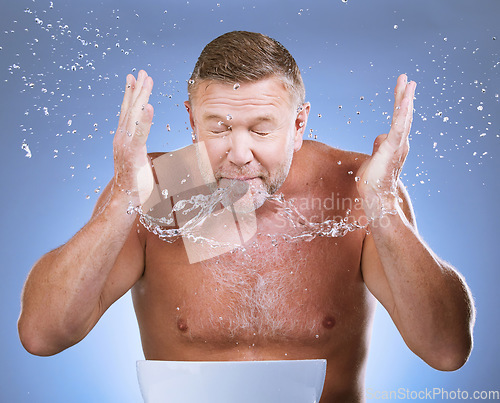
(378, 141)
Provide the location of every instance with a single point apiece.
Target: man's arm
(69, 288)
(426, 297)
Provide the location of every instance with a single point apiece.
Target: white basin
(288, 381)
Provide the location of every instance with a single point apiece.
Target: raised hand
(378, 175)
(133, 174)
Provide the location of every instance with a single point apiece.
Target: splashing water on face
(295, 226)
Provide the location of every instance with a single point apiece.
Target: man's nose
(240, 148)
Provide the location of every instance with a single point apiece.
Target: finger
(120, 134)
(143, 125)
(412, 85)
(407, 112)
(141, 77)
(127, 98)
(399, 92)
(140, 115)
(399, 129)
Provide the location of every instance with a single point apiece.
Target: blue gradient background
(71, 64)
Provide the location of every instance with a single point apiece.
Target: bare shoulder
(320, 165)
(329, 163)
(154, 155)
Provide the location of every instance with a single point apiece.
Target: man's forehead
(209, 95)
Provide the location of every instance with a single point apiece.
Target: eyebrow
(214, 116)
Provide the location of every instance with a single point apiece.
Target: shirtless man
(280, 300)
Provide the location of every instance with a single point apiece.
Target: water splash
(294, 225)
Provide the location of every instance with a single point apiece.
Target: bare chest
(269, 292)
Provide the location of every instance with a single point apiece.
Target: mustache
(240, 172)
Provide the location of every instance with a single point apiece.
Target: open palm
(378, 175)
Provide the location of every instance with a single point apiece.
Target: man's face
(250, 132)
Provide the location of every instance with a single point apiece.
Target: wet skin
(276, 299)
(284, 300)
(192, 311)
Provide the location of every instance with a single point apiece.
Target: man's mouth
(241, 178)
(250, 180)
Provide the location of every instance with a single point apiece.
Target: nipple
(329, 322)
(182, 325)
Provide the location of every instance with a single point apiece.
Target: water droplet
(191, 81)
(480, 108)
(236, 86)
(130, 209)
(357, 178)
(26, 148)
(164, 193)
(168, 127)
(229, 117)
(70, 122)
(396, 27)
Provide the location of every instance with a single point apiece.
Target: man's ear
(189, 110)
(300, 125)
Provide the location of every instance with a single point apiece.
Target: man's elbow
(452, 357)
(34, 342)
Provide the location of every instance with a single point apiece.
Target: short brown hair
(241, 56)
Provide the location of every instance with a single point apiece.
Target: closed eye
(222, 130)
(260, 133)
